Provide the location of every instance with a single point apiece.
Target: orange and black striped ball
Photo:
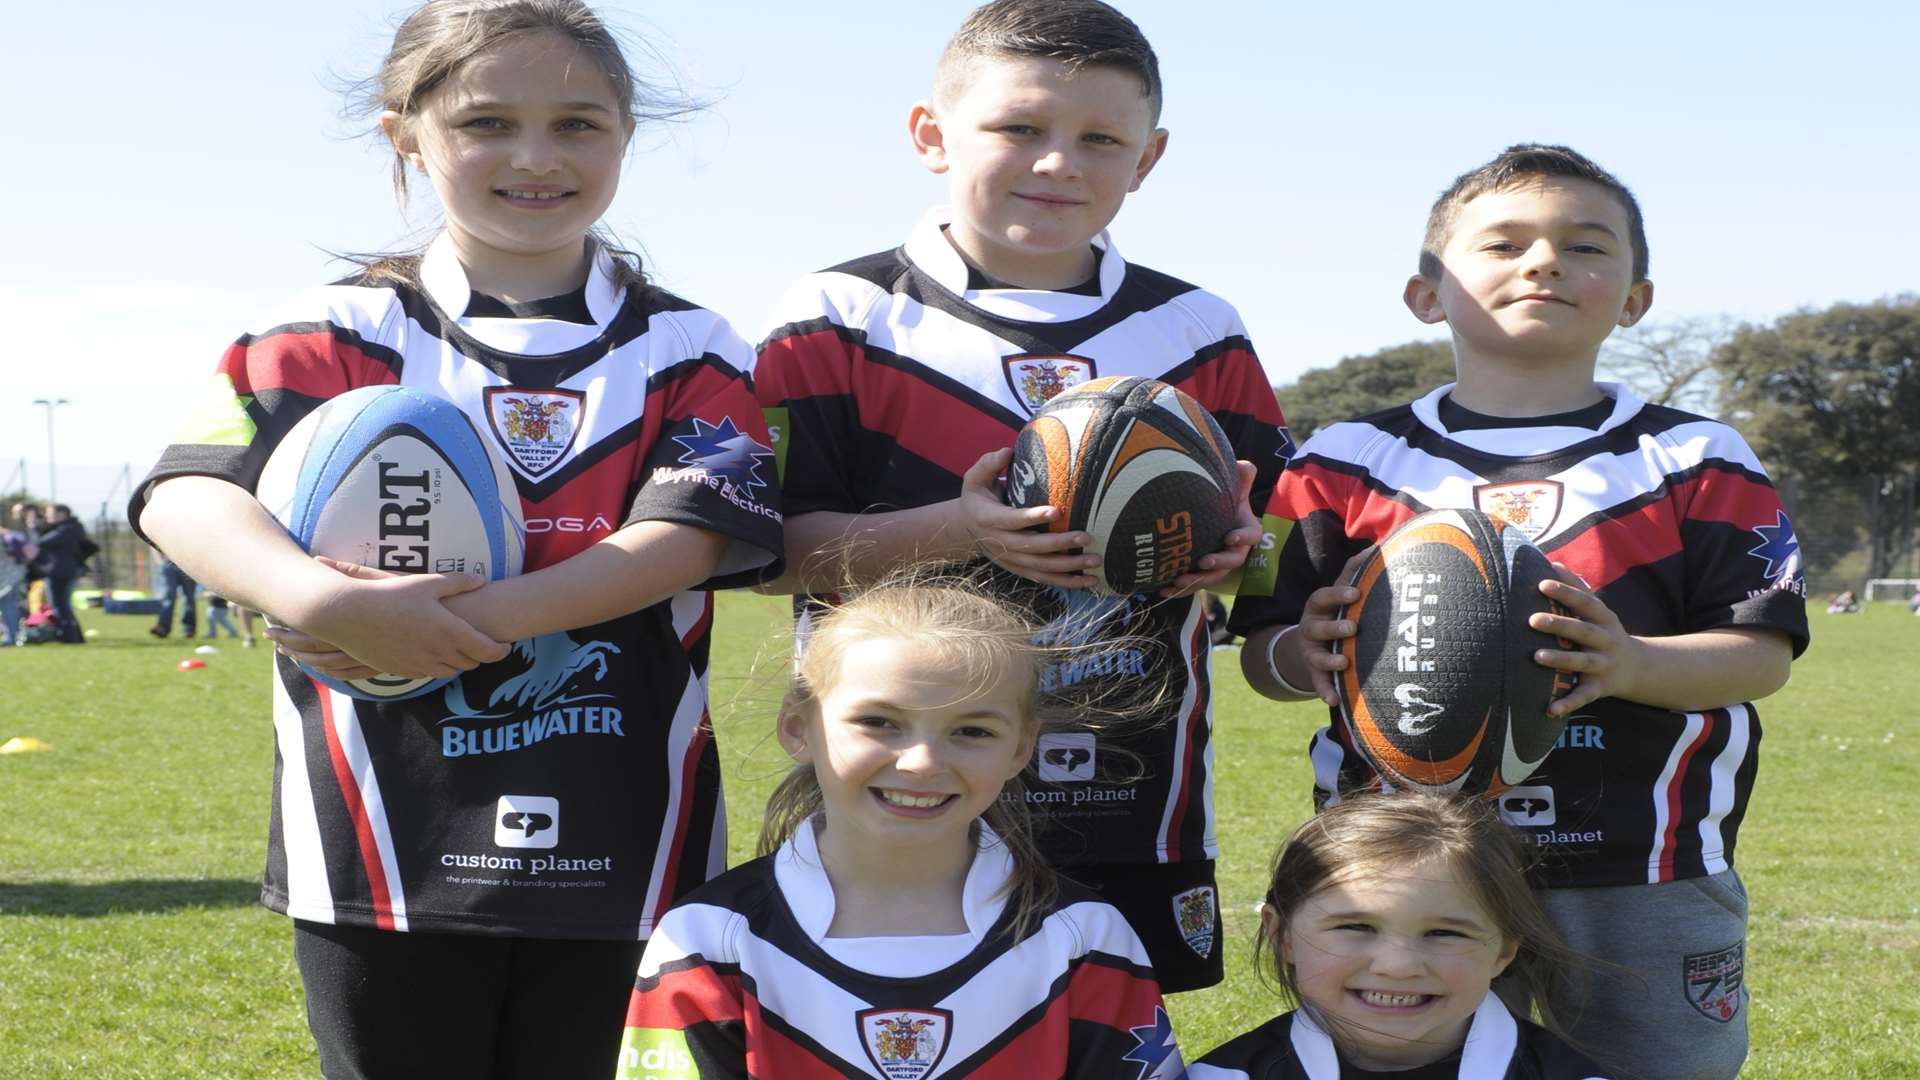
(1141, 467)
(1441, 691)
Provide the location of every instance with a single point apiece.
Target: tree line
(1829, 399)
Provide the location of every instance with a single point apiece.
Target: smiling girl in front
(898, 922)
(1389, 917)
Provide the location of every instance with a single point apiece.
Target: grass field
(131, 944)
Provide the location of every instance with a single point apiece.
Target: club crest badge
(1716, 982)
(1195, 912)
(1036, 380)
(1528, 505)
(535, 427)
(905, 1044)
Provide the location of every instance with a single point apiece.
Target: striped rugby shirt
(1671, 520)
(1498, 1046)
(886, 378)
(737, 983)
(571, 789)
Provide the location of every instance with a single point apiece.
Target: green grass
(131, 945)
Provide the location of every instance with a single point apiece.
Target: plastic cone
(23, 744)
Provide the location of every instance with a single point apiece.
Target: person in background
(64, 549)
(175, 584)
(15, 555)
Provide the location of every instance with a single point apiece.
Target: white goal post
(1891, 588)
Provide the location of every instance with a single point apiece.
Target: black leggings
(417, 1006)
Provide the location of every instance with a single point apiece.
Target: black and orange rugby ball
(1139, 466)
(1441, 692)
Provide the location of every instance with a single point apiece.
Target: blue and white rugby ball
(389, 477)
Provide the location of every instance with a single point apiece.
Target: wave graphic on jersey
(553, 663)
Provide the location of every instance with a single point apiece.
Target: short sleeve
(712, 466)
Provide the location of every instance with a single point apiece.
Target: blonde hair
(1374, 832)
(971, 631)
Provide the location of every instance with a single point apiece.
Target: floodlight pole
(53, 493)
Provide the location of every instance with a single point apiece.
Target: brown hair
(1517, 165)
(440, 36)
(1374, 832)
(990, 640)
(1077, 33)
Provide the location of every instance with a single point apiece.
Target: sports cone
(24, 744)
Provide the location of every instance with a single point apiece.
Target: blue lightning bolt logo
(724, 451)
(1154, 1049)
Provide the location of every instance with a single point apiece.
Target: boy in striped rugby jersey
(897, 381)
(1681, 577)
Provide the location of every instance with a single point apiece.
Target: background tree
(1830, 400)
(1359, 385)
(1669, 362)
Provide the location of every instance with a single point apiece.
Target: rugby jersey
(735, 984)
(1673, 523)
(887, 377)
(571, 789)
(1498, 1047)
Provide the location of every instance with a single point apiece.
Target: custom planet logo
(1038, 379)
(526, 821)
(1531, 506)
(1195, 912)
(1527, 806)
(1066, 757)
(535, 427)
(1716, 982)
(905, 1044)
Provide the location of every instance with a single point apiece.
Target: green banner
(1257, 577)
(777, 428)
(655, 1054)
(217, 417)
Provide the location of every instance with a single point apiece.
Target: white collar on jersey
(930, 251)
(1523, 442)
(445, 280)
(1492, 1038)
(809, 895)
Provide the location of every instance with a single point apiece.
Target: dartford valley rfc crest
(1531, 506)
(535, 427)
(1036, 380)
(905, 1044)
(1194, 912)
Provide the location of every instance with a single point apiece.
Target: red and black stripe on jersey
(1667, 516)
(731, 976)
(389, 814)
(891, 384)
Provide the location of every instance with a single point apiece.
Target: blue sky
(177, 171)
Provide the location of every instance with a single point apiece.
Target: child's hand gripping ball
(1441, 691)
(1141, 467)
(391, 478)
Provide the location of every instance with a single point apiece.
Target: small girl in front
(899, 922)
(1389, 917)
